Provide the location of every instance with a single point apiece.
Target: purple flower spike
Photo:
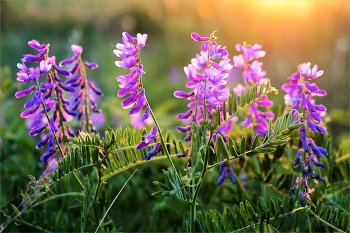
(146, 114)
(156, 150)
(91, 65)
(38, 130)
(28, 91)
(181, 129)
(141, 40)
(149, 138)
(53, 125)
(185, 115)
(196, 37)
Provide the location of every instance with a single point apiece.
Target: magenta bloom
(253, 73)
(202, 71)
(131, 83)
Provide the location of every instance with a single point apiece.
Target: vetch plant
(258, 150)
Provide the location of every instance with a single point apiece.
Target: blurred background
(291, 32)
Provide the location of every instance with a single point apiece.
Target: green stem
(82, 67)
(323, 221)
(58, 196)
(295, 222)
(96, 192)
(60, 113)
(163, 141)
(192, 217)
(35, 226)
(308, 222)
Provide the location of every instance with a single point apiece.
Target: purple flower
(141, 40)
(28, 91)
(156, 150)
(91, 65)
(196, 37)
(146, 114)
(298, 158)
(181, 129)
(253, 73)
(149, 138)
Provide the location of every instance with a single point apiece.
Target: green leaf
(224, 110)
(243, 213)
(255, 142)
(295, 126)
(265, 150)
(221, 144)
(243, 145)
(251, 212)
(278, 142)
(209, 222)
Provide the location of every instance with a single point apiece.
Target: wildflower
(79, 96)
(207, 81)
(253, 73)
(131, 83)
(224, 169)
(299, 93)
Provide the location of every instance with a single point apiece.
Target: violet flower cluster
(131, 84)
(299, 93)
(41, 104)
(207, 80)
(252, 73)
(80, 98)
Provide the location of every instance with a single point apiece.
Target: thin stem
(323, 221)
(53, 132)
(82, 67)
(60, 111)
(204, 171)
(58, 196)
(162, 140)
(114, 200)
